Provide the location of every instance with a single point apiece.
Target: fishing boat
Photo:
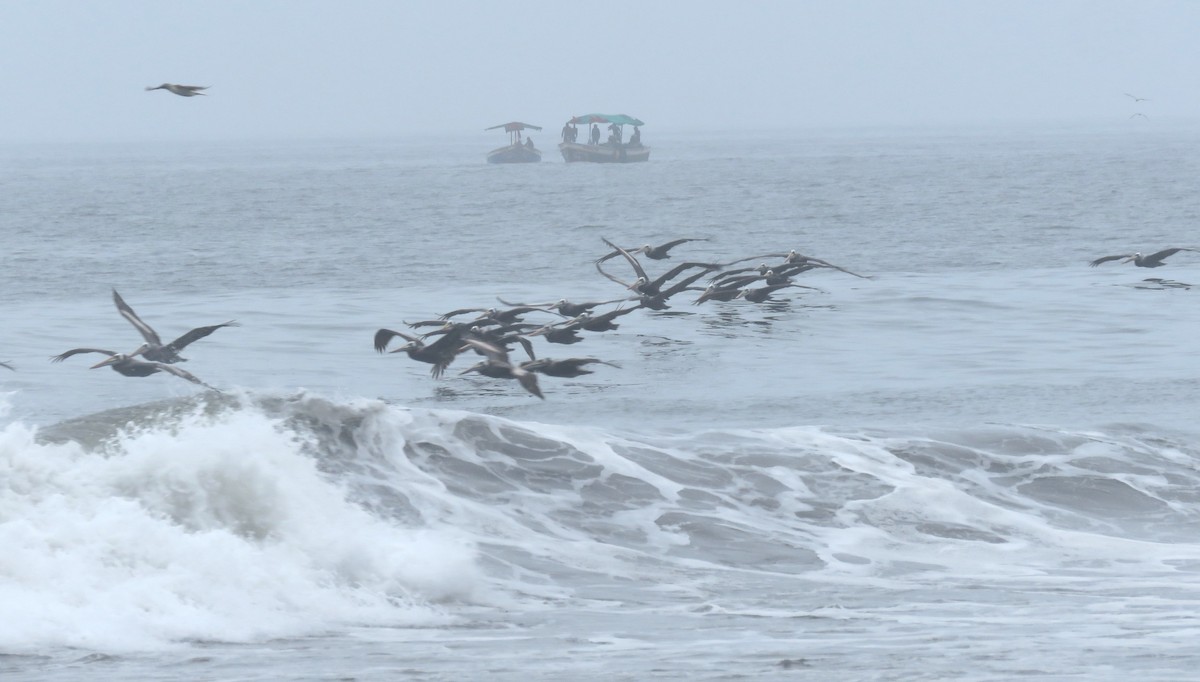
(516, 151)
(613, 149)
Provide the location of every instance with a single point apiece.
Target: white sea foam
(207, 528)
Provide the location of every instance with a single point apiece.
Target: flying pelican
(1136, 98)
(440, 353)
(763, 294)
(567, 368)
(128, 365)
(497, 366)
(565, 307)
(5, 365)
(655, 252)
(1154, 260)
(181, 90)
(643, 285)
(156, 351)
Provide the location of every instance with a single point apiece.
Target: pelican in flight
(156, 351)
(655, 252)
(1136, 98)
(128, 365)
(181, 90)
(5, 365)
(1154, 260)
(498, 366)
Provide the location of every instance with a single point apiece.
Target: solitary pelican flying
(181, 90)
(1154, 260)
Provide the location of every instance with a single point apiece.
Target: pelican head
(638, 283)
(1135, 258)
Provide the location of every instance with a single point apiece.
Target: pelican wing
(1106, 259)
(144, 329)
(180, 372)
(77, 351)
(637, 267)
(5, 365)
(197, 334)
(495, 354)
(1159, 256)
(383, 336)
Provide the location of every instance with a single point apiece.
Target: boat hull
(514, 153)
(603, 153)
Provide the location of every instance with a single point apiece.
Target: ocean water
(980, 463)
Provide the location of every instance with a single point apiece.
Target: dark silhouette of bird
(1135, 98)
(181, 90)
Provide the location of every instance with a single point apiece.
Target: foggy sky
(302, 68)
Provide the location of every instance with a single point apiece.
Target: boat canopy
(514, 127)
(619, 119)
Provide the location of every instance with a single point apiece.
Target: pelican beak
(105, 362)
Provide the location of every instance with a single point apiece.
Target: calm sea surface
(979, 463)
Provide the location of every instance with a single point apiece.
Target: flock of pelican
(493, 332)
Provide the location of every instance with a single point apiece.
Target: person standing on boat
(566, 133)
(616, 132)
(635, 140)
(595, 139)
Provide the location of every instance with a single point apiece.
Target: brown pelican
(1136, 98)
(716, 292)
(564, 307)
(440, 353)
(497, 366)
(762, 294)
(603, 322)
(567, 369)
(156, 351)
(565, 333)
(797, 258)
(181, 90)
(643, 285)
(1154, 260)
(655, 252)
(128, 365)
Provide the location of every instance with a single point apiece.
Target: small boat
(614, 149)
(516, 151)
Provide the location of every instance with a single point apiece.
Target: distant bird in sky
(1154, 260)
(181, 90)
(1139, 114)
(5, 365)
(1136, 98)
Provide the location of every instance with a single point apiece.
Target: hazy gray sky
(76, 70)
